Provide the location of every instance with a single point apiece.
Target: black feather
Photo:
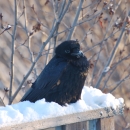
(63, 78)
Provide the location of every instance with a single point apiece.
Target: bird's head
(69, 49)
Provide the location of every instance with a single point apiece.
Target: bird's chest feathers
(80, 72)
(74, 73)
(79, 68)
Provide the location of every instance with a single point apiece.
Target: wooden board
(66, 119)
(77, 126)
(107, 124)
(96, 124)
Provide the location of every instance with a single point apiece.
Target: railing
(98, 119)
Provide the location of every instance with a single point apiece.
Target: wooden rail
(99, 119)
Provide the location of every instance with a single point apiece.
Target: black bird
(63, 78)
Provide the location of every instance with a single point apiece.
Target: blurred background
(98, 29)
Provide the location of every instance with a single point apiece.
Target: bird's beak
(78, 54)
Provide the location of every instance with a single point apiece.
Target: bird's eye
(67, 51)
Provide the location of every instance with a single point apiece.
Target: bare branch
(46, 60)
(96, 45)
(113, 68)
(119, 83)
(31, 55)
(75, 20)
(93, 3)
(55, 6)
(1, 20)
(101, 47)
(12, 54)
(25, 17)
(2, 101)
(112, 55)
(6, 29)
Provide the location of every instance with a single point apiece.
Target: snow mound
(26, 111)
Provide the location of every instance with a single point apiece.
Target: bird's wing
(47, 79)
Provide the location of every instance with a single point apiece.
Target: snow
(26, 111)
(107, 69)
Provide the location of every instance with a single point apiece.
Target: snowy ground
(92, 98)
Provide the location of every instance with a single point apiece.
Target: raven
(63, 78)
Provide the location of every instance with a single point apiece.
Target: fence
(99, 119)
